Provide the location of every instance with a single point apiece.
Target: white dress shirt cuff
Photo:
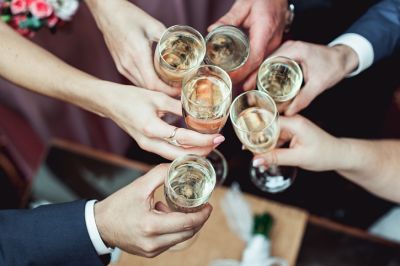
(361, 46)
(94, 234)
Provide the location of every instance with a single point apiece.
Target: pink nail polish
(219, 140)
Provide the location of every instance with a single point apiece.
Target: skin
(265, 21)
(372, 164)
(136, 110)
(129, 37)
(322, 67)
(143, 227)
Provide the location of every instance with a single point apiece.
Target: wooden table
(217, 241)
(299, 238)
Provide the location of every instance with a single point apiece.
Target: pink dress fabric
(81, 44)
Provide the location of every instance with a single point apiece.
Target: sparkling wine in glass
(254, 116)
(227, 47)
(189, 183)
(180, 49)
(206, 97)
(281, 78)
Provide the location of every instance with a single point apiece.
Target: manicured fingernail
(258, 162)
(219, 140)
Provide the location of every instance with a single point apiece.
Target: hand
(322, 68)
(129, 219)
(138, 112)
(310, 148)
(129, 32)
(266, 21)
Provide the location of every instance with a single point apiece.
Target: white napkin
(240, 220)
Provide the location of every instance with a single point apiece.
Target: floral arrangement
(29, 16)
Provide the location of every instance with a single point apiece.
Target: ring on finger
(171, 139)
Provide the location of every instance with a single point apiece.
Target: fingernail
(258, 162)
(219, 140)
(213, 26)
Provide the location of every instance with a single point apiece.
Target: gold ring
(171, 139)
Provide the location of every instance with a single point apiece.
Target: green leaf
(31, 23)
(6, 18)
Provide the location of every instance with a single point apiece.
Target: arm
(135, 110)
(372, 164)
(57, 234)
(49, 235)
(374, 36)
(380, 26)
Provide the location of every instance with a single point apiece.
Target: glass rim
(237, 30)
(225, 166)
(186, 28)
(179, 159)
(296, 65)
(185, 80)
(275, 117)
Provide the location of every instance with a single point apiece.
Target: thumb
(306, 95)
(288, 157)
(154, 178)
(235, 16)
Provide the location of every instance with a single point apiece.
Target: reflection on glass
(227, 47)
(281, 78)
(206, 97)
(180, 49)
(189, 183)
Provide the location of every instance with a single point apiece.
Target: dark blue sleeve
(381, 26)
(49, 235)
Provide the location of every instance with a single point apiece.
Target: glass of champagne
(180, 49)
(206, 97)
(227, 47)
(189, 183)
(188, 186)
(281, 78)
(254, 116)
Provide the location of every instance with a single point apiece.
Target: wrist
(100, 215)
(89, 93)
(98, 9)
(344, 151)
(348, 58)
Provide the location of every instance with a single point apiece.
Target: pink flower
(18, 6)
(40, 8)
(52, 21)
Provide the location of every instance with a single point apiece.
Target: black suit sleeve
(49, 235)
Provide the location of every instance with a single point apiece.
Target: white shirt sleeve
(94, 234)
(361, 46)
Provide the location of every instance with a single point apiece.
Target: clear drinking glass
(254, 116)
(206, 97)
(188, 186)
(180, 49)
(227, 47)
(189, 183)
(218, 161)
(281, 78)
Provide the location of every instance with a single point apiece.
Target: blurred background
(367, 106)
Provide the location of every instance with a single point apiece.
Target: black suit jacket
(49, 235)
